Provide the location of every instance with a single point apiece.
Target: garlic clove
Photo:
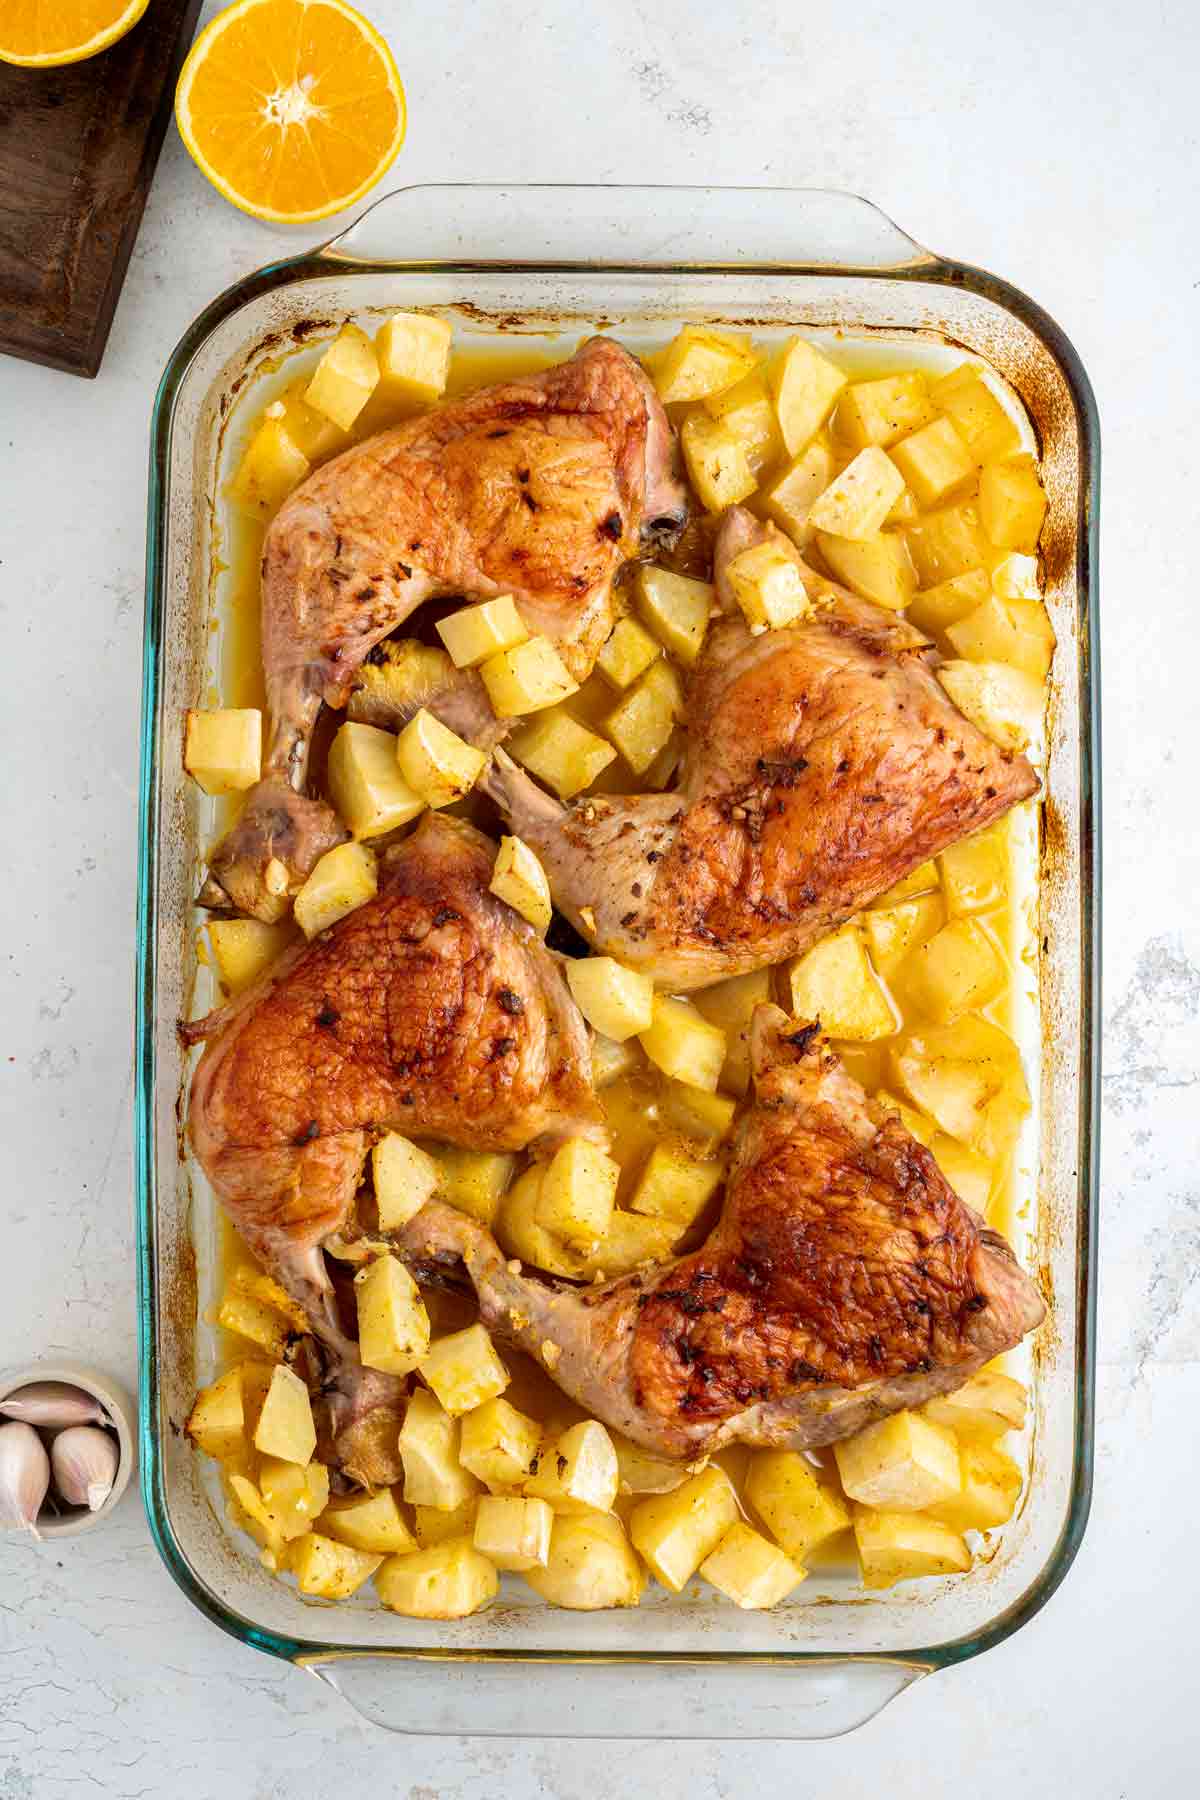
(83, 1460)
(24, 1477)
(53, 1403)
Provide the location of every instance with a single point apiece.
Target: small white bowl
(119, 1407)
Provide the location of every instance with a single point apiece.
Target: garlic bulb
(53, 1403)
(84, 1462)
(24, 1477)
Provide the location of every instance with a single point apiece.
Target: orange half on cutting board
(292, 108)
(41, 36)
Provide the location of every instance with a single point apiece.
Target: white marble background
(1051, 140)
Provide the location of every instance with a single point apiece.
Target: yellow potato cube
(577, 1192)
(644, 720)
(879, 412)
(676, 1187)
(682, 1043)
(631, 1241)
(475, 1181)
(526, 679)
(749, 1570)
(641, 1472)
(435, 761)
(717, 464)
(896, 1547)
(217, 1421)
(450, 1580)
(1006, 631)
(251, 1514)
(400, 676)
(437, 1524)
(1012, 505)
(615, 1000)
(805, 385)
(223, 749)
(983, 1409)
(767, 584)
(936, 608)
(975, 870)
(856, 502)
(296, 1495)
(961, 1075)
(245, 948)
(272, 464)
(801, 1511)
(946, 543)
(893, 932)
(577, 1471)
(900, 1464)
(249, 1318)
(905, 511)
(991, 1484)
(413, 351)
(612, 1060)
(499, 1444)
(365, 784)
(1034, 652)
(393, 1325)
(748, 411)
(701, 361)
(464, 1370)
(370, 1522)
(514, 1533)
(677, 610)
(561, 752)
(429, 1447)
(957, 969)
(405, 1178)
(345, 378)
(519, 1233)
(1016, 577)
(519, 879)
(915, 1123)
(477, 632)
(627, 654)
(591, 1565)
(879, 569)
(251, 1280)
(788, 502)
(834, 984)
(342, 881)
(934, 461)
(730, 1006)
(285, 1426)
(969, 1174)
(980, 421)
(704, 1118)
(676, 1532)
(315, 435)
(1005, 703)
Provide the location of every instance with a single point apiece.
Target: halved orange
(292, 108)
(38, 36)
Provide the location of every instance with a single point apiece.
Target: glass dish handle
(599, 1699)
(551, 225)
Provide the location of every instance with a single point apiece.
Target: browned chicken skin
(540, 487)
(844, 1281)
(823, 764)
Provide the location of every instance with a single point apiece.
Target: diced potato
(801, 1511)
(969, 1174)
(893, 932)
(393, 1325)
(562, 752)
(805, 385)
(365, 783)
(514, 1533)
(980, 420)
(464, 1370)
(677, 610)
(343, 880)
(676, 1532)
(1015, 577)
(936, 608)
(880, 412)
(526, 679)
(217, 1421)
(967, 1077)
(934, 461)
(1036, 640)
(767, 584)
(405, 1178)
(991, 1483)
(644, 720)
(370, 1522)
(615, 1000)
(631, 1241)
(879, 569)
(263, 1325)
(835, 985)
(946, 543)
(519, 1233)
(285, 1426)
(856, 502)
(296, 1495)
(975, 870)
(1017, 632)
(1005, 703)
(437, 1524)
(915, 1123)
(245, 948)
(252, 1514)
(413, 351)
(577, 1472)
(905, 510)
(429, 1446)
(983, 1409)
(223, 750)
(704, 1118)
(499, 1444)
(519, 879)
(957, 969)
(896, 1547)
(345, 378)
(628, 653)
(591, 1565)
(247, 1278)
(717, 464)
(272, 464)
(1012, 505)
(730, 1006)
(611, 1060)
(749, 1570)
(435, 762)
(399, 676)
(900, 1464)
(748, 411)
(475, 1181)
(315, 435)
(676, 1187)
(789, 500)
(701, 361)
(641, 1472)
(477, 632)
(448, 1581)
(682, 1043)
(577, 1192)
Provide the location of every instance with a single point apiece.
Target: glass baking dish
(556, 262)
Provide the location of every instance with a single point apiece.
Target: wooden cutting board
(78, 147)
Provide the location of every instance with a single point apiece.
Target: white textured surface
(1055, 143)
